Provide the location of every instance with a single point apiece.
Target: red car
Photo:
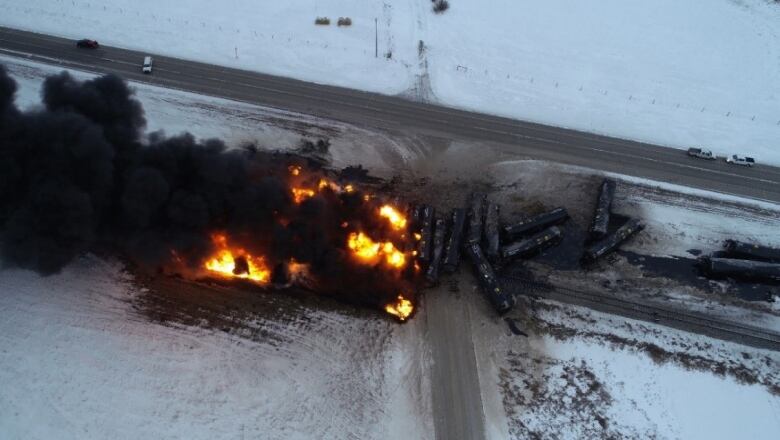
(88, 44)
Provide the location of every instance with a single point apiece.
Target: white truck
(147, 66)
(701, 154)
(741, 160)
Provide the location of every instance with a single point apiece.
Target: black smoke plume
(80, 172)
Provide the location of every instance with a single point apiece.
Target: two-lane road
(393, 113)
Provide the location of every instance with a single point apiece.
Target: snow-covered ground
(695, 73)
(584, 374)
(79, 360)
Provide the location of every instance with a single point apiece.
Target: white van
(147, 65)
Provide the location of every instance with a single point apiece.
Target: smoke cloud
(80, 173)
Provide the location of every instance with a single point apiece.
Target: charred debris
(80, 173)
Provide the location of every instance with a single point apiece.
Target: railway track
(686, 321)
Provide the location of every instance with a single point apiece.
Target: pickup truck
(741, 160)
(701, 154)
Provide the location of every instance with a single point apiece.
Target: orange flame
(298, 271)
(324, 183)
(224, 262)
(371, 251)
(294, 170)
(391, 214)
(401, 309)
(301, 194)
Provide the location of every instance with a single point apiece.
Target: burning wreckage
(80, 173)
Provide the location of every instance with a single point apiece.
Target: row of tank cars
(85, 43)
(735, 159)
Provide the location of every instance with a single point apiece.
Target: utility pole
(376, 39)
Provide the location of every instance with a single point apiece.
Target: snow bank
(701, 72)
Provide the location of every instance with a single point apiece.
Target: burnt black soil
(567, 253)
(231, 306)
(685, 270)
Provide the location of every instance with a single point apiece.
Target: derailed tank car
(600, 226)
(533, 224)
(611, 242)
(454, 240)
(488, 280)
(432, 272)
(425, 244)
(492, 242)
(534, 243)
(475, 217)
(748, 269)
(752, 251)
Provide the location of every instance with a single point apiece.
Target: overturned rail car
(532, 244)
(611, 242)
(751, 251)
(475, 217)
(488, 280)
(432, 272)
(600, 226)
(425, 244)
(533, 224)
(492, 241)
(454, 241)
(732, 267)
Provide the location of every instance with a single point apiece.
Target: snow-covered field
(78, 360)
(583, 374)
(701, 72)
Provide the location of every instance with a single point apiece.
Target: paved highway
(457, 400)
(394, 114)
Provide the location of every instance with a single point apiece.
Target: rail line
(687, 321)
